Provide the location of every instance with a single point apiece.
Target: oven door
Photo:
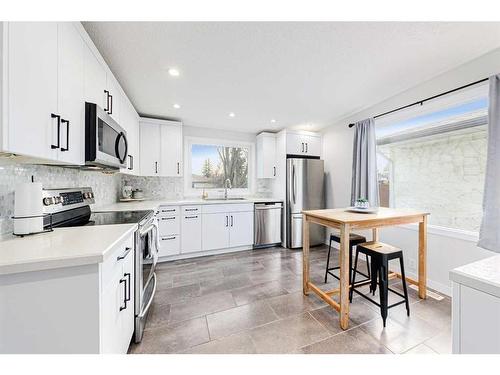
(145, 287)
(105, 141)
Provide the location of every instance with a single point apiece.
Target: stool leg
(405, 290)
(374, 266)
(353, 280)
(328, 260)
(350, 263)
(384, 291)
(367, 266)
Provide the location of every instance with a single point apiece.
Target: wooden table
(345, 221)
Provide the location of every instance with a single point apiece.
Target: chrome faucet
(227, 185)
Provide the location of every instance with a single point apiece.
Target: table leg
(422, 258)
(344, 276)
(375, 236)
(305, 255)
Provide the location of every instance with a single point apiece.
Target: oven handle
(145, 311)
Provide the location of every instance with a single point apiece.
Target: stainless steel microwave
(106, 143)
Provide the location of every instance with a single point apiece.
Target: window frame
(189, 141)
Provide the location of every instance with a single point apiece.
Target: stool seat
(379, 248)
(380, 254)
(354, 239)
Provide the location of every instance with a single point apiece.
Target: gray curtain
(364, 163)
(489, 235)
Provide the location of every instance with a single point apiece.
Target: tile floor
(252, 302)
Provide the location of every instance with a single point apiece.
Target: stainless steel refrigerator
(304, 191)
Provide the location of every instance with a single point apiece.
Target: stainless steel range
(71, 207)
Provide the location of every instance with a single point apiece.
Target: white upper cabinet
(114, 99)
(32, 89)
(171, 149)
(95, 80)
(266, 155)
(130, 122)
(303, 143)
(45, 91)
(51, 70)
(161, 147)
(71, 94)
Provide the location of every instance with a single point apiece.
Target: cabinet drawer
(169, 245)
(168, 225)
(189, 210)
(168, 210)
(114, 264)
(224, 208)
(191, 229)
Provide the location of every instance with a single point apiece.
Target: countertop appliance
(267, 224)
(71, 207)
(106, 143)
(304, 191)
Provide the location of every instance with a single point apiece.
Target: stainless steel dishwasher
(267, 224)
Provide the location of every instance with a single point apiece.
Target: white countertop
(154, 204)
(64, 247)
(482, 275)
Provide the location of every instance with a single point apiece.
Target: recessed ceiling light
(176, 106)
(231, 114)
(174, 72)
(273, 121)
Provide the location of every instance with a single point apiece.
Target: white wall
(444, 252)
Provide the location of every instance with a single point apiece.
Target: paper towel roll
(28, 202)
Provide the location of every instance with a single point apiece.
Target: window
(436, 162)
(215, 165)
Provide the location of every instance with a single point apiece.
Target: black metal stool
(354, 240)
(380, 255)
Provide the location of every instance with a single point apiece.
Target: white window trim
(189, 141)
(460, 234)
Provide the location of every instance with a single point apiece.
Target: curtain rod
(421, 102)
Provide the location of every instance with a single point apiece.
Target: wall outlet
(413, 265)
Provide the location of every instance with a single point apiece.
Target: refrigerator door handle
(293, 183)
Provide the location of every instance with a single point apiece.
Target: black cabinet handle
(231, 220)
(302, 147)
(67, 134)
(125, 253)
(131, 162)
(127, 275)
(111, 106)
(124, 281)
(58, 131)
(274, 171)
(306, 147)
(107, 100)
(190, 217)
(168, 218)
(178, 167)
(227, 221)
(156, 167)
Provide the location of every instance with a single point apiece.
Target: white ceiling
(296, 73)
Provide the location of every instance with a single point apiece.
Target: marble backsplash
(106, 186)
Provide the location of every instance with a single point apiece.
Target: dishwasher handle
(268, 206)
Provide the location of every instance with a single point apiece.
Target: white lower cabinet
(170, 245)
(240, 228)
(87, 309)
(215, 231)
(118, 304)
(191, 233)
(199, 228)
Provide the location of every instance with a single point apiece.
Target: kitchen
(159, 231)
